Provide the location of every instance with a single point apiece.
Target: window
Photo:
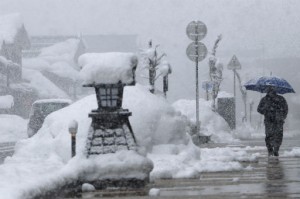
(109, 97)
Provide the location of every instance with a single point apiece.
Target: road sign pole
(196, 51)
(197, 101)
(206, 92)
(234, 92)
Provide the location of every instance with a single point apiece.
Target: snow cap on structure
(108, 68)
(9, 27)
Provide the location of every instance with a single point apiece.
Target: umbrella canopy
(262, 84)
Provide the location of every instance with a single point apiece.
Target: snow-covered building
(13, 39)
(58, 63)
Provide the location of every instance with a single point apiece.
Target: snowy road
(6, 149)
(267, 178)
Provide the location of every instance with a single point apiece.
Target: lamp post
(73, 127)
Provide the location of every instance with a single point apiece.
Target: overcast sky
(250, 28)
(245, 24)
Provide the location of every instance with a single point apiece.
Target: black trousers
(274, 135)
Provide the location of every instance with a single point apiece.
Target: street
(267, 178)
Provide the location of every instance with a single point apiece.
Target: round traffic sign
(196, 51)
(196, 30)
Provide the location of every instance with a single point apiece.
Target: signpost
(208, 87)
(196, 52)
(234, 65)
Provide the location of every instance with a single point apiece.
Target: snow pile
(44, 162)
(153, 119)
(86, 187)
(6, 102)
(154, 192)
(9, 27)
(295, 152)
(12, 128)
(181, 161)
(211, 122)
(107, 68)
(165, 68)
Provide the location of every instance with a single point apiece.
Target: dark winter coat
(274, 108)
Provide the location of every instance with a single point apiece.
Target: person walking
(275, 109)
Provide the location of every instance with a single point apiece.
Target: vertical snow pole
(165, 85)
(152, 74)
(73, 126)
(73, 144)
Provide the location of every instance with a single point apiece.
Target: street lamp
(73, 127)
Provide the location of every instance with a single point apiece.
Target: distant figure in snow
(275, 110)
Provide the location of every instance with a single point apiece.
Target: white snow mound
(107, 68)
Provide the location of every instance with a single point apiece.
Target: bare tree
(215, 72)
(152, 62)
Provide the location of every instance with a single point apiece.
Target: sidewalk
(267, 178)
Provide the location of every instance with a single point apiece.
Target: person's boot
(276, 149)
(270, 152)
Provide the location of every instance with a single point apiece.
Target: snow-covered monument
(110, 130)
(108, 73)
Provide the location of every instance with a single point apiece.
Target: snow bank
(12, 128)
(107, 68)
(44, 161)
(165, 68)
(153, 119)
(211, 122)
(295, 152)
(9, 26)
(6, 102)
(181, 161)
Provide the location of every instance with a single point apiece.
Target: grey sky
(251, 29)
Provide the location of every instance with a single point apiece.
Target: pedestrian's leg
(269, 138)
(278, 138)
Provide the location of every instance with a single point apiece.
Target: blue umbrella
(263, 83)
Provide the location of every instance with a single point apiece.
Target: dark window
(110, 97)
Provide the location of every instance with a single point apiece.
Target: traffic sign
(208, 85)
(234, 64)
(196, 51)
(196, 30)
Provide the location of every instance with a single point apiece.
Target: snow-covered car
(39, 111)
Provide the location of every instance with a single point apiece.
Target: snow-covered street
(264, 178)
(143, 99)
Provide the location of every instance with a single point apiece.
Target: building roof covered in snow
(108, 68)
(12, 31)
